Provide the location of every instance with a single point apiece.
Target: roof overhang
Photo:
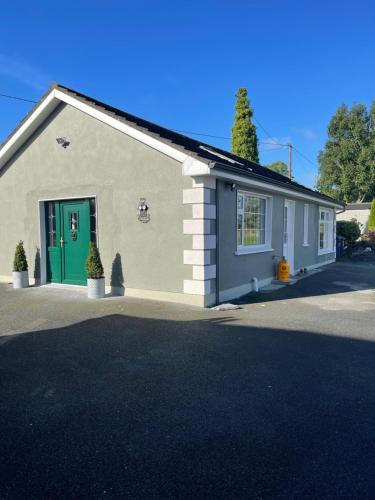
(56, 96)
(250, 180)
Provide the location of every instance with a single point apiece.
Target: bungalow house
(175, 219)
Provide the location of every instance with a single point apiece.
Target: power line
(264, 130)
(201, 134)
(273, 143)
(304, 156)
(18, 98)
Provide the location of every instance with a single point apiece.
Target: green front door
(68, 237)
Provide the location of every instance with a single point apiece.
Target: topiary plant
(348, 229)
(20, 261)
(94, 267)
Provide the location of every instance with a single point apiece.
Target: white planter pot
(20, 279)
(96, 288)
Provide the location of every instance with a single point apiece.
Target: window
(253, 222)
(306, 225)
(51, 224)
(93, 236)
(325, 231)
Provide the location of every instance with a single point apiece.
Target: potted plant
(95, 278)
(20, 267)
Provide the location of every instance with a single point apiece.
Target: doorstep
(277, 284)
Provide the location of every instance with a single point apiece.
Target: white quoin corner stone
(204, 241)
(204, 211)
(197, 257)
(198, 226)
(204, 272)
(196, 287)
(197, 195)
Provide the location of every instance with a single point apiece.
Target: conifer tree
(20, 261)
(371, 222)
(244, 135)
(94, 267)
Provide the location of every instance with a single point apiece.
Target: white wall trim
(238, 291)
(320, 264)
(265, 186)
(196, 195)
(122, 127)
(204, 211)
(197, 226)
(28, 127)
(190, 165)
(197, 287)
(291, 234)
(204, 272)
(197, 257)
(204, 241)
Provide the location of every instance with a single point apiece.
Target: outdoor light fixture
(63, 141)
(231, 185)
(143, 214)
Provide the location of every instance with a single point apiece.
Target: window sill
(325, 252)
(306, 244)
(247, 251)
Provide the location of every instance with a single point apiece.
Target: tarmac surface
(124, 398)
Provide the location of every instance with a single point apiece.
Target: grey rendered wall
(305, 256)
(235, 271)
(117, 169)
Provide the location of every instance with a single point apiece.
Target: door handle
(61, 242)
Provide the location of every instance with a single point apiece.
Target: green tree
(244, 134)
(347, 162)
(371, 221)
(20, 261)
(94, 265)
(348, 229)
(279, 166)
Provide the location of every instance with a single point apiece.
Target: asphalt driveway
(131, 399)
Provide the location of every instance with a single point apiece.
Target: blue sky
(180, 63)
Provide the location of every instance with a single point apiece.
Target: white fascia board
(194, 167)
(122, 127)
(27, 128)
(52, 101)
(270, 187)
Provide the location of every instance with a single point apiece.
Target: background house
(358, 211)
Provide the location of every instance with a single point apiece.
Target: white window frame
(306, 208)
(266, 246)
(329, 225)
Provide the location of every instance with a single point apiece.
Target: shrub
(94, 265)
(348, 229)
(371, 239)
(20, 261)
(371, 221)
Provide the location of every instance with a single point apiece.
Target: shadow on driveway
(127, 407)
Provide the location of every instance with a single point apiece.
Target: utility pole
(290, 147)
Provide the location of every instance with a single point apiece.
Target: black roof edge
(303, 190)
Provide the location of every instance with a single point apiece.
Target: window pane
(252, 224)
(321, 236)
(239, 237)
(93, 220)
(240, 202)
(73, 221)
(51, 224)
(262, 206)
